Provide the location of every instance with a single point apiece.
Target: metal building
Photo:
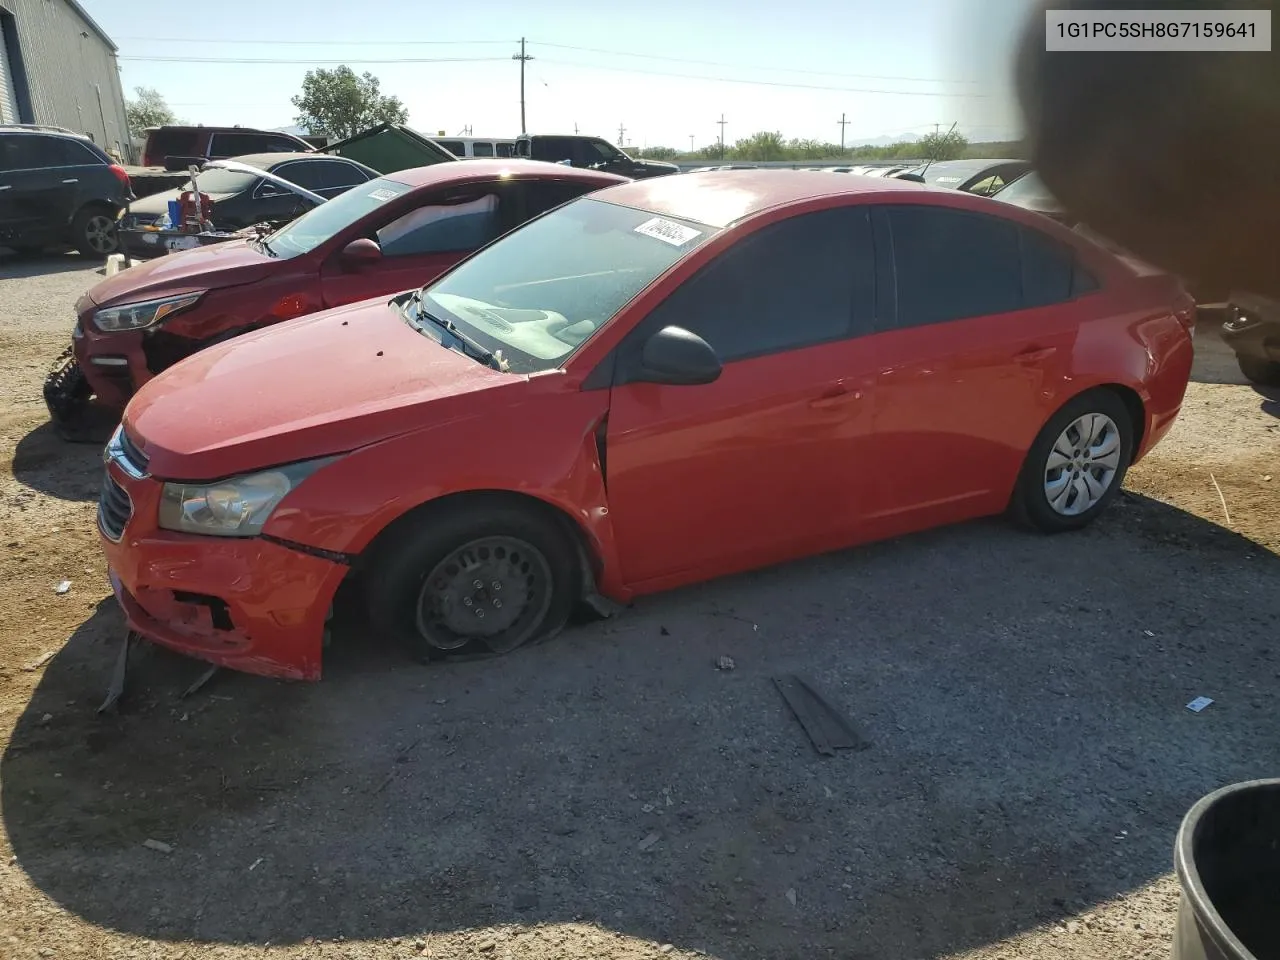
(57, 67)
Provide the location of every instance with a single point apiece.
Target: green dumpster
(389, 147)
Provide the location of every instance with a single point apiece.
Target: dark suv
(58, 187)
(591, 153)
(176, 148)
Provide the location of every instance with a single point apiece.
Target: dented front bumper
(248, 604)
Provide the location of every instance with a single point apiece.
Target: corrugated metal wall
(71, 72)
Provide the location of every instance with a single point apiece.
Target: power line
(319, 43)
(765, 83)
(721, 63)
(312, 62)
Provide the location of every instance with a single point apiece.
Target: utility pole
(843, 123)
(575, 128)
(691, 143)
(523, 58)
(622, 131)
(722, 122)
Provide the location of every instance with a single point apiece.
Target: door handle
(72, 180)
(1035, 354)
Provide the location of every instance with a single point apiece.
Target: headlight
(237, 507)
(146, 313)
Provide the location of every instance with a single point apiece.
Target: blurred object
(1252, 331)
(1171, 154)
(1226, 861)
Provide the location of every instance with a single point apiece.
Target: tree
(765, 145)
(148, 110)
(340, 104)
(657, 153)
(943, 146)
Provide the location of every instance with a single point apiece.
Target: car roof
(37, 130)
(462, 170)
(721, 197)
(265, 161)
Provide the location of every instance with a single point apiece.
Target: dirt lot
(1024, 698)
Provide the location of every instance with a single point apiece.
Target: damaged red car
(388, 234)
(670, 380)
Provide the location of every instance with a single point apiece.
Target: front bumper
(247, 604)
(113, 364)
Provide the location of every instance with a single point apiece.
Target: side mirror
(675, 356)
(360, 252)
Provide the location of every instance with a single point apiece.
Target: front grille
(132, 456)
(114, 509)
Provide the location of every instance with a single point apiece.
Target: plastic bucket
(1228, 860)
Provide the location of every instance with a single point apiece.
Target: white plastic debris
(648, 841)
(1147, 633)
(157, 845)
(725, 663)
(791, 897)
(63, 587)
(1199, 703)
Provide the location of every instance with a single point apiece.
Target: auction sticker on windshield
(383, 195)
(668, 231)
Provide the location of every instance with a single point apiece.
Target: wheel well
(1137, 412)
(93, 205)
(473, 499)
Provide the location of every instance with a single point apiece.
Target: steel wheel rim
(1082, 464)
(100, 232)
(494, 590)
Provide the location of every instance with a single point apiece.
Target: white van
(471, 148)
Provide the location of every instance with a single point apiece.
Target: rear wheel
(1262, 372)
(94, 234)
(484, 579)
(1076, 465)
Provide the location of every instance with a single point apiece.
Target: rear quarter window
(173, 143)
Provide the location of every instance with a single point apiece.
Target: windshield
(543, 290)
(1028, 191)
(217, 180)
(320, 223)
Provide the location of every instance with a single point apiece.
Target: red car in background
(388, 234)
(670, 380)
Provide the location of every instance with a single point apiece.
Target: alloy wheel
(1082, 464)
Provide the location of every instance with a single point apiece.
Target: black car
(591, 153)
(241, 199)
(1252, 330)
(58, 187)
(982, 177)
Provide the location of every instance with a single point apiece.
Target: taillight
(120, 174)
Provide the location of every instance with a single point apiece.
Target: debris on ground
(157, 845)
(791, 897)
(649, 841)
(725, 663)
(62, 587)
(200, 681)
(827, 728)
(1199, 703)
(39, 661)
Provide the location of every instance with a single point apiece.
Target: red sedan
(670, 380)
(388, 234)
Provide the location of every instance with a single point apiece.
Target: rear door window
(325, 177)
(1048, 269)
(68, 153)
(481, 148)
(173, 143)
(225, 145)
(953, 264)
(456, 147)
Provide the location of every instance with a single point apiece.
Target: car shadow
(19, 267)
(43, 460)
(1023, 697)
(1270, 399)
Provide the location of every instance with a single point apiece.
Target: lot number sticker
(676, 234)
(383, 195)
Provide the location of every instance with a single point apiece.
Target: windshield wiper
(465, 345)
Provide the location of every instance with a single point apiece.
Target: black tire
(516, 549)
(1031, 504)
(1265, 373)
(94, 232)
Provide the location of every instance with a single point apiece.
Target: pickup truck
(591, 153)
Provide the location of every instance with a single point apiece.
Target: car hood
(656, 165)
(226, 264)
(320, 385)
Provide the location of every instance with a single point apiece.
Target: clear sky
(665, 70)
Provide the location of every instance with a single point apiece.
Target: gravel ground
(614, 794)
